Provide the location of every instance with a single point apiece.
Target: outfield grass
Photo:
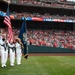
(42, 65)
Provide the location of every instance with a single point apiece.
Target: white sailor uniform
(18, 53)
(12, 53)
(4, 53)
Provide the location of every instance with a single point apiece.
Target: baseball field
(42, 65)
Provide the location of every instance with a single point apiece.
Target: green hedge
(45, 49)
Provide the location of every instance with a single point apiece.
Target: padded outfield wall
(45, 49)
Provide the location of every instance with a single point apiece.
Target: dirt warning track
(51, 54)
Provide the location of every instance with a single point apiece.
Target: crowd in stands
(46, 15)
(38, 15)
(50, 38)
(35, 2)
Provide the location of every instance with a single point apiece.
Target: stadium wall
(44, 49)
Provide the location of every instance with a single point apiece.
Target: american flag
(8, 23)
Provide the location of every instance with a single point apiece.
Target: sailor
(4, 52)
(11, 46)
(19, 47)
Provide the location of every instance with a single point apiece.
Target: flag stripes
(10, 34)
(8, 23)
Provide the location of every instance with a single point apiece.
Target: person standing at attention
(11, 46)
(19, 47)
(4, 51)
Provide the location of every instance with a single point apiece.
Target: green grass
(42, 65)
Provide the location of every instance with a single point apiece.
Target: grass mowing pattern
(42, 65)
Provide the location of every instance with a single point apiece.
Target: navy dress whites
(3, 52)
(11, 46)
